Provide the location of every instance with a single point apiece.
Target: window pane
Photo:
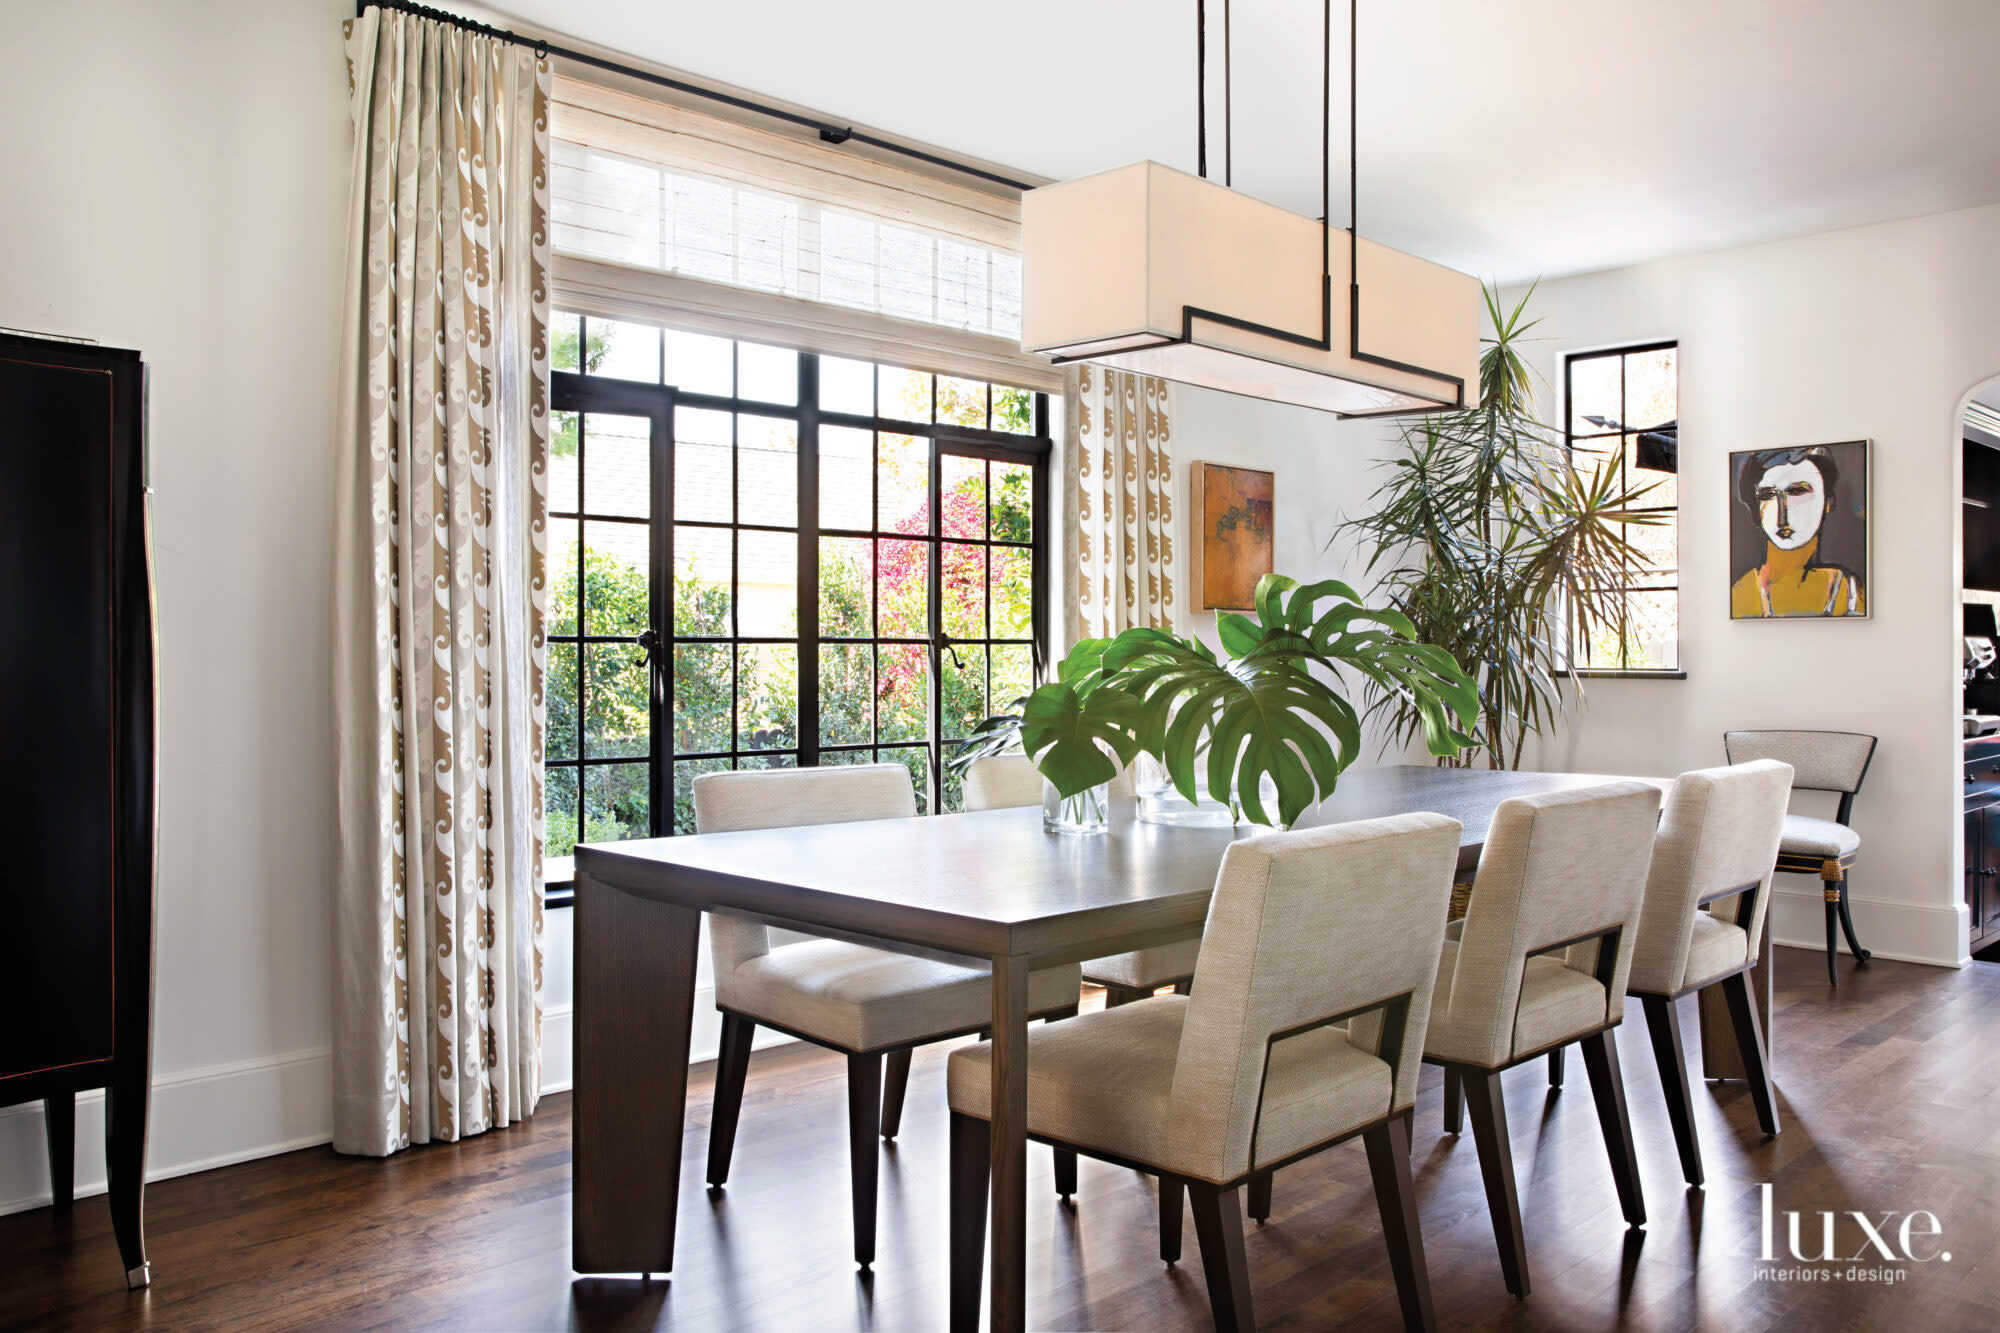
(1013, 675)
(1013, 410)
(962, 597)
(703, 486)
(561, 686)
(767, 584)
(963, 487)
(702, 693)
(617, 706)
(917, 759)
(845, 758)
(697, 363)
(1652, 631)
(767, 696)
(1643, 456)
(964, 691)
(703, 569)
(614, 803)
(767, 374)
(615, 584)
(846, 694)
(629, 351)
(1649, 389)
(563, 333)
(1593, 393)
(846, 478)
(904, 479)
(904, 395)
(767, 469)
(961, 402)
(685, 772)
(902, 691)
(1591, 457)
(1657, 558)
(563, 462)
(621, 465)
(1013, 502)
(559, 807)
(902, 589)
(562, 578)
(846, 386)
(846, 585)
(1013, 593)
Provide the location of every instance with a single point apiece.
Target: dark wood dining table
(989, 890)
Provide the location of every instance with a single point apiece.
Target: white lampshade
(1110, 262)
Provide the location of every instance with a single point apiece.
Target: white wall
(175, 180)
(1875, 332)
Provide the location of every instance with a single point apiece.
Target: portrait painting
(1798, 532)
(1234, 550)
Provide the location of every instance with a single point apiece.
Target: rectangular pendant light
(1153, 270)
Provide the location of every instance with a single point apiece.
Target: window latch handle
(649, 643)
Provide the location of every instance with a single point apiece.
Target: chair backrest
(1305, 926)
(785, 797)
(1000, 781)
(1820, 760)
(1720, 830)
(1555, 868)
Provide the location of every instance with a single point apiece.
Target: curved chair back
(1720, 832)
(1308, 928)
(786, 797)
(1556, 869)
(1820, 760)
(1000, 781)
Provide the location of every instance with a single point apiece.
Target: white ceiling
(1508, 138)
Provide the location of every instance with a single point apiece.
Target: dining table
(989, 890)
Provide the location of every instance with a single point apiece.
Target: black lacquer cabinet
(77, 772)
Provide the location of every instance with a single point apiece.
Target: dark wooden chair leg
(125, 1106)
(1117, 995)
(895, 1085)
(732, 1061)
(1454, 1102)
(1065, 1173)
(1607, 1089)
(1556, 1066)
(971, 1168)
(1750, 1041)
(1185, 986)
(59, 1113)
(864, 1113)
(1861, 955)
(1396, 1198)
(1218, 1227)
(1496, 1165)
(1663, 1024)
(1832, 948)
(1173, 1202)
(1258, 1204)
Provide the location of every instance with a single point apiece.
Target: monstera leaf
(1072, 736)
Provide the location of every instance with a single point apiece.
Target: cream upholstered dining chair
(1706, 897)
(1540, 960)
(1829, 761)
(1307, 931)
(1012, 780)
(869, 1004)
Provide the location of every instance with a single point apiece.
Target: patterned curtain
(1121, 492)
(439, 600)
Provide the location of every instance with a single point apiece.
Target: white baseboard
(1905, 932)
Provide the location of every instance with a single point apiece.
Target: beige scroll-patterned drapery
(1121, 490)
(439, 600)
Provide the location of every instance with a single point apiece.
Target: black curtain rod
(827, 131)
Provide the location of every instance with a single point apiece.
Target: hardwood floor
(1889, 1094)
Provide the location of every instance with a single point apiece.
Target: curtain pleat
(440, 598)
(1121, 490)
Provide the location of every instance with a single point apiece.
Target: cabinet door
(1985, 903)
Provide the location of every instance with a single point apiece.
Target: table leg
(634, 1007)
(1719, 1057)
(1010, 1145)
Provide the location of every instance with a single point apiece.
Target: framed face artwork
(1233, 549)
(1798, 532)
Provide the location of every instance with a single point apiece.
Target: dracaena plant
(1274, 708)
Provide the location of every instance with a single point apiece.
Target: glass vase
(1160, 802)
(1087, 812)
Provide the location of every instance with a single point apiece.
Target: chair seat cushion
(1821, 838)
(864, 999)
(1556, 1002)
(1717, 947)
(1104, 1081)
(1145, 969)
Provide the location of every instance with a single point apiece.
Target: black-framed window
(844, 563)
(1623, 413)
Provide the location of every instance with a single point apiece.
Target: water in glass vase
(1087, 812)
